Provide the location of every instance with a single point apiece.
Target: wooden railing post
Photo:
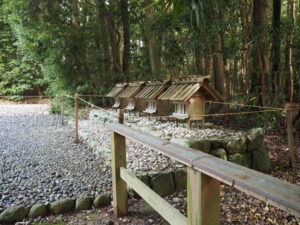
(118, 160)
(76, 119)
(121, 116)
(290, 134)
(189, 124)
(203, 198)
(62, 109)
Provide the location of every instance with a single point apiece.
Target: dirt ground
(35, 100)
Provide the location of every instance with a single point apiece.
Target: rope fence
(120, 115)
(265, 109)
(244, 105)
(29, 96)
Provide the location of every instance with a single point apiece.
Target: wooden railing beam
(167, 211)
(272, 190)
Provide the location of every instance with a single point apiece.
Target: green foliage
(270, 120)
(43, 50)
(55, 108)
(19, 74)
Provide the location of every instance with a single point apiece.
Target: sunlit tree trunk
(115, 38)
(126, 37)
(218, 66)
(260, 62)
(75, 15)
(225, 69)
(288, 50)
(153, 45)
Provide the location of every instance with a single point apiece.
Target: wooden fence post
(189, 124)
(62, 109)
(118, 160)
(203, 198)
(121, 116)
(290, 134)
(76, 119)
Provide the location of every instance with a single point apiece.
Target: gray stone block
(62, 206)
(235, 144)
(220, 153)
(38, 210)
(83, 202)
(261, 161)
(240, 159)
(102, 200)
(180, 178)
(255, 139)
(13, 214)
(162, 183)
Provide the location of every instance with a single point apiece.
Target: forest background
(251, 48)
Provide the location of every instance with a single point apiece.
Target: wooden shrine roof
(131, 90)
(152, 90)
(116, 90)
(182, 89)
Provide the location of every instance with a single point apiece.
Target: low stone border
(163, 183)
(245, 148)
(83, 202)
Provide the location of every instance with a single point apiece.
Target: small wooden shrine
(188, 95)
(129, 92)
(119, 102)
(150, 95)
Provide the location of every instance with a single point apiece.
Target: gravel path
(40, 162)
(138, 157)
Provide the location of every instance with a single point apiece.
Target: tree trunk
(288, 51)
(260, 63)
(114, 36)
(218, 66)
(225, 67)
(78, 67)
(102, 42)
(235, 90)
(207, 64)
(198, 61)
(245, 20)
(75, 15)
(152, 42)
(275, 51)
(126, 37)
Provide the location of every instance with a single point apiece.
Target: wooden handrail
(207, 170)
